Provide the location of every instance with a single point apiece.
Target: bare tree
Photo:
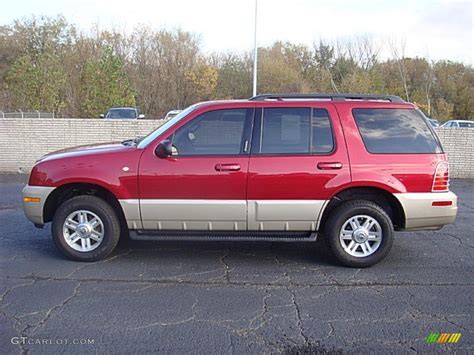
(398, 54)
(429, 77)
(325, 58)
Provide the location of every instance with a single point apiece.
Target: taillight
(441, 178)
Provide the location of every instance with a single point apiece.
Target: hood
(83, 150)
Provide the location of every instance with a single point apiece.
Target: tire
(88, 217)
(350, 241)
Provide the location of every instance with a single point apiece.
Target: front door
(203, 185)
(298, 161)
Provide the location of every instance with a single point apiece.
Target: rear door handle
(329, 166)
(227, 167)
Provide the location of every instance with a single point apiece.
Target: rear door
(298, 160)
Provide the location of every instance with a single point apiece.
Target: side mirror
(141, 115)
(101, 115)
(164, 149)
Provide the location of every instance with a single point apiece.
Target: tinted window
(466, 124)
(290, 131)
(395, 131)
(322, 133)
(216, 132)
(285, 130)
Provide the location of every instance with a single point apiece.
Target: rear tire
(85, 228)
(359, 233)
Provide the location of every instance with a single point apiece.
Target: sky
(437, 29)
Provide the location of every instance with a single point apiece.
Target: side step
(147, 235)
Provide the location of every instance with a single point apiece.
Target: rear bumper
(34, 210)
(420, 212)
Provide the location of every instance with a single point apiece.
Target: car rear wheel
(359, 233)
(85, 228)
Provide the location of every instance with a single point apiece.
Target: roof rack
(330, 97)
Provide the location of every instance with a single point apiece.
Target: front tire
(359, 233)
(85, 228)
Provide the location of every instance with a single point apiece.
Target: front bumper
(38, 194)
(420, 212)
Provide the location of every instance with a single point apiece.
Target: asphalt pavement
(233, 297)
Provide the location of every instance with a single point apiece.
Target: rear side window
(396, 131)
(296, 131)
(285, 130)
(322, 140)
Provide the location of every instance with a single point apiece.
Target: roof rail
(330, 97)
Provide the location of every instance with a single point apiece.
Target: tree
(33, 69)
(234, 76)
(455, 84)
(45, 64)
(278, 71)
(204, 80)
(398, 53)
(105, 85)
(159, 67)
(37, 85)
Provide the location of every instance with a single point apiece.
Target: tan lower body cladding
(270, 215)
(223, 215)
(420, 212)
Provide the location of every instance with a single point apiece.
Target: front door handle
(227, 167)
(329, 166)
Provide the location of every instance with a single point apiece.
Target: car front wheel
(85, 228)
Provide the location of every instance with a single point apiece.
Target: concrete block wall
(23, 141)
(459, 144)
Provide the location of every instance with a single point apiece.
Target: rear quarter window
(395, 131)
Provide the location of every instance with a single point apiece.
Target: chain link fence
(22, 114)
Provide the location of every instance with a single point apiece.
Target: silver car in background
(171, 114)
(458, 124)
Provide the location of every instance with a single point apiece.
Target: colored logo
(443, 338)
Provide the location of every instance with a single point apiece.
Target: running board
(147, 235)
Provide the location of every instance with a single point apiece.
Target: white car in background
(458, 124)
(171, 114)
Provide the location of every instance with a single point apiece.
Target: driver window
(217, 132)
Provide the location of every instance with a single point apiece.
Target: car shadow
(313, 253)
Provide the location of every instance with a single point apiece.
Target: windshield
(160, 130)
(122, 113)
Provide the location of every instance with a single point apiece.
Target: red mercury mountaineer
(350, 168)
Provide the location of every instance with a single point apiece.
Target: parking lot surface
(230, 297)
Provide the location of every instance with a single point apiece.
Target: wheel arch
(382, 197)
(69, 190)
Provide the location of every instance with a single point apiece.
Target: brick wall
(23, 141)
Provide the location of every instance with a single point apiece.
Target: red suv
(351, 168)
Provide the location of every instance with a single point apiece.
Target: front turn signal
(31, 199)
